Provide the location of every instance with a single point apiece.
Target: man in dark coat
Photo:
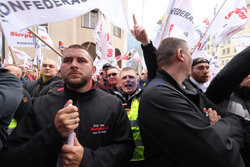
(10, 97)
(102, 130)
(48, 81)
(175, 131)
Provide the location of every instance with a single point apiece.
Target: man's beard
(76, 85)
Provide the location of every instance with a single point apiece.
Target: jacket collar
(40, 80)
(167, 77)
(74, 95)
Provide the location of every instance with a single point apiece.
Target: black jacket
(104, 132)
(10, 97)
(228, 79)
(177, 133)
(149, 52)
(39, 88)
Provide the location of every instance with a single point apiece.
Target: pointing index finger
(134, 19)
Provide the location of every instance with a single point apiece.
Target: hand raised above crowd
(140, 33)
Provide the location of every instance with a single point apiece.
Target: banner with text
(104, 48)
(23, 38)
(241, 42)
(25, 14)
(178, 20)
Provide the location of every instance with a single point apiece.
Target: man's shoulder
(105, 95)
(3, 70)
(155, 84)
(49, 99)
(31, 83)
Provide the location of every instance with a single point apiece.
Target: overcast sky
(154, 9)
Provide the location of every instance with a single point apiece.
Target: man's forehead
(75, 52)
(128, 73)
(202, 65)
(48, 61)
(112, 70)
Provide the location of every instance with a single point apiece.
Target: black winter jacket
(177, 133)
(104, 132)
(10, 97)
(39, 88)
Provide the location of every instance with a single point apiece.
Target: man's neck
(45, 78)
(83, 89)
(175, 73)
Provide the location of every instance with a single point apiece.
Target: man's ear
(93, 70)
(179, 55)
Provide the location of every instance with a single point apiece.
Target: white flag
(241, 42)
(25, 14)
(98, 63)
(42, 32)
(229, 19)
(232, 19)
(104, 48)
(179, 20)
(159, 28)
(214, 65)
(23, 38)
(37, 44)
(10, 59)
(21, 55)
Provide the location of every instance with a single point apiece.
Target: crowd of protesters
(168, 115)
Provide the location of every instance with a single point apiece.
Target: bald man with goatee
(49, 80)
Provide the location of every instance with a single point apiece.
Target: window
(223, 52)
(207, 46)
(229, 41)
(228, 50)
(117, 31)
(90, 19)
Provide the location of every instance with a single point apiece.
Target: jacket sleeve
(28, 146)
(149, 52)
(10, 93)
(238, 69)
(119, 152)
(183, 133)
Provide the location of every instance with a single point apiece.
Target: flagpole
(90, 43)
(208, 27)
(165, 26)
(38, 66)
(12, 55)
(46, 43)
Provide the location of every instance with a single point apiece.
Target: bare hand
(67, 119)
(246, 82)
(71, 156)
(140, 33)
(213, 116)
(125, 107)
